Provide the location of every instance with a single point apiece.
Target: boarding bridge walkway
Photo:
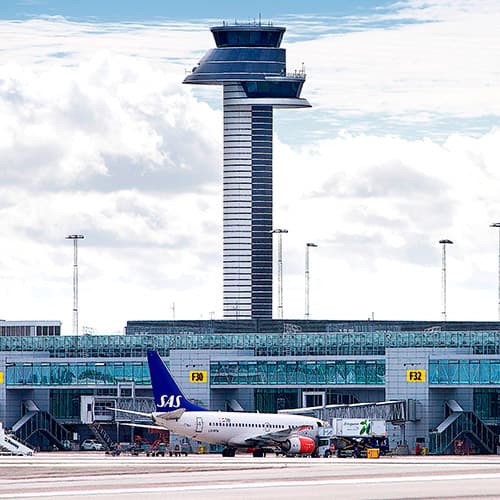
(38, 422)
(460, 426)
(390, 411)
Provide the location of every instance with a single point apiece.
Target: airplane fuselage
(238, 429)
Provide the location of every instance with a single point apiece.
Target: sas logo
(170, 401)
(198, 377)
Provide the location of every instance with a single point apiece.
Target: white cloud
(98, 136)
(377, 207)
(442, 62)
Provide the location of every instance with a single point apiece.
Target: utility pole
(75, 238)
(308, 246)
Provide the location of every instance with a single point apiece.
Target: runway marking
(247, 485)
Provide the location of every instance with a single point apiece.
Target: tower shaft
(248, 213)
(250, 65)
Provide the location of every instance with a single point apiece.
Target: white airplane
(292, 434)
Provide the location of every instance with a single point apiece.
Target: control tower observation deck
(250, 65)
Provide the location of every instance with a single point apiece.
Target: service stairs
(9, 445)
(101, 435)
(38, 422)
(460, 425)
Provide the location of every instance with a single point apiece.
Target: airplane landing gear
(259, 453)
(228, 452)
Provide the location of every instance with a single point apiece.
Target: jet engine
(299, 444)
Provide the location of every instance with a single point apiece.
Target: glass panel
(443, 372)
(350, 373)
(360, 373)
(453, 375)
(464, 375)
(301, 372)
(495, 371)
(280, 372)
(272, 373)
(341, 372)
(371, 373)
(310, 372)
(474, 372)
(380, 372)
(242, 373)
(484, 371)
(291, 373)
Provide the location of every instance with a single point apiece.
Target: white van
(91, 444)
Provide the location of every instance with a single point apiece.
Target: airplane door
(199, 424)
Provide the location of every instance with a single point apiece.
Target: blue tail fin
(168, 396)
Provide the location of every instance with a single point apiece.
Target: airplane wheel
(228, 452)
(258, 453)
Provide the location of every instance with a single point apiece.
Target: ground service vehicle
(351, 437)
(91, 444)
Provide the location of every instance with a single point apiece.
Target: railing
(465, 427)
(44, 423)
(103, 411)
(336, 343)
(102, 436)
(298, 73)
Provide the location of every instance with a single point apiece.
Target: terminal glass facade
(262, 344)
(464, 371)
(77, 373)
(301, 373)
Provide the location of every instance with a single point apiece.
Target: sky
(98, 136)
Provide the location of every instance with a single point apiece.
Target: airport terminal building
(445, 376)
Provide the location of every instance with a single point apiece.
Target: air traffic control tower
(250, 65)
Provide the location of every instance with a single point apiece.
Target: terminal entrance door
(313, 398)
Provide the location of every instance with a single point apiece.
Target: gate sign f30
(415, 375)
(198, 376)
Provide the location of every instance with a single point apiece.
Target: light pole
(75, 238)
(444, 243)
(280, 233)
(308, 246)
(497, 225)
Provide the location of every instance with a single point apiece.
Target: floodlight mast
(280, 233)
(307, 275)
(497, 225)
(75, 238)
(443, 278)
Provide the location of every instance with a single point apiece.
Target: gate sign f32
(415, 375)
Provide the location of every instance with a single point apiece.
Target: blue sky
(149, 10)
(100, 137)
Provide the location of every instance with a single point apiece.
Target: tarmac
(85, 475)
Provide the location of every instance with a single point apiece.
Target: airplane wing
(171, 415)
(267, 439)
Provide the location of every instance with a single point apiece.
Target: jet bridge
(390, 411)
